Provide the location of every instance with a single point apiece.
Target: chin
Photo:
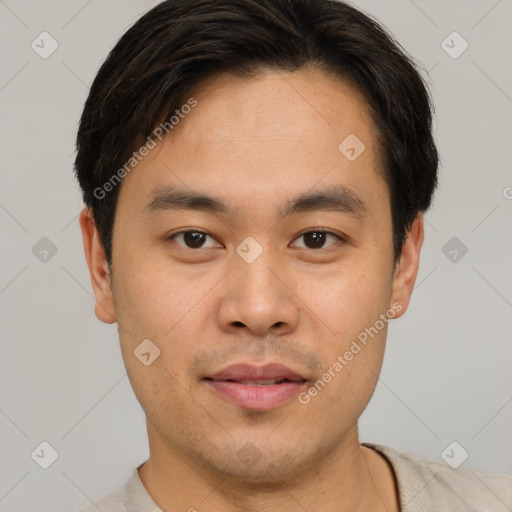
(267, 468)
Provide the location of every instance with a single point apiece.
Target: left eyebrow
(335, 198)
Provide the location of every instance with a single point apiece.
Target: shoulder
(132, 496)
(426, 484)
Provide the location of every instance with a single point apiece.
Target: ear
(98, 268)
(407, 267)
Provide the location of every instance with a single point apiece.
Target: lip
(245, 371)
(228, 384)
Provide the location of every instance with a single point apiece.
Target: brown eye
(316, 239)
(192, 239)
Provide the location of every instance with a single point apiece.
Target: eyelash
(319, 230)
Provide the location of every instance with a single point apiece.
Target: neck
(350, 478)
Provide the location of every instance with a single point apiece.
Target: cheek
(348, 380)
(351, 299)
(353, 348)
(148, 299)
(161, 392)
(153, 303)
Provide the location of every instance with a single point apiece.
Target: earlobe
(98, 268)
(407, 268)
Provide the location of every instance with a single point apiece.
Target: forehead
(278, 133)
(308, 105)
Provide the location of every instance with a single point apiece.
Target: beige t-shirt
(424, 485)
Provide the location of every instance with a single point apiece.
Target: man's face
(260, 286)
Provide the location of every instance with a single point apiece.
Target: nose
(259, 298)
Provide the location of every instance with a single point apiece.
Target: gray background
(447, 372)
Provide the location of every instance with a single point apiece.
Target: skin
(255, 144)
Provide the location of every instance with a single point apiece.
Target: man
(255, 174)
